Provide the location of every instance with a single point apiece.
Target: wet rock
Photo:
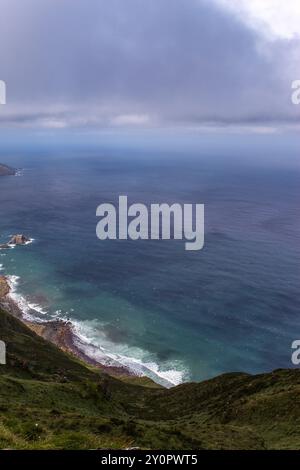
(18, 240)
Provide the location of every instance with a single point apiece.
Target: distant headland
(7, 170)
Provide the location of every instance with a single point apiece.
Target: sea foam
(90, 338)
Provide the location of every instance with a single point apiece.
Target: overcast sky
(150, 63)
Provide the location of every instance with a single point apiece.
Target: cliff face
(48, 399)
(6, 170)
(4, 287)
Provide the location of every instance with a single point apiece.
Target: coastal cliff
(59, 332)
(4, 288)
(52, 396)
(51, 400)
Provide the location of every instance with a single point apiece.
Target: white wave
(7, 247)
(91, 339)
(31, 240)
(29, 309)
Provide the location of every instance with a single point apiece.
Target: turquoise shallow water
(171, 314)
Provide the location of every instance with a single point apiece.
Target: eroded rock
(18, 240)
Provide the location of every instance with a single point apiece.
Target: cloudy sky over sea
(143, 63)
(184, 101)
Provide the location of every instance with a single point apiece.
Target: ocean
(162, 311)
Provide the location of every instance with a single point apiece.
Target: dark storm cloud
(139, 62)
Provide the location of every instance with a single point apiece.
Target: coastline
(59, 332)
(70, 336)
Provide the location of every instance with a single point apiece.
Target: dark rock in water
(6, 170)
(15, 240)
(18, 240)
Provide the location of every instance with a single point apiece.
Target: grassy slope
(50, 400)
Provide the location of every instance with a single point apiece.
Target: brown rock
(18, 240)
(4, 287)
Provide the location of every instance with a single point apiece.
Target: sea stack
(18, 240)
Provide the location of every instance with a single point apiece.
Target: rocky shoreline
(58, 332)
(7, 170)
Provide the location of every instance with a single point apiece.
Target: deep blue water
(187, 315)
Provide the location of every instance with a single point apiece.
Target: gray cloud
(140, 63)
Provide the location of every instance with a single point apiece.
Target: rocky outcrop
(15, 240)
(18, 240)
(4, 287)
(60, 333)
(6, 170)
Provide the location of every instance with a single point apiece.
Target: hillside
(48, 399)
(6, 170)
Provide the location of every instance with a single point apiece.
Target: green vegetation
(50, 400)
